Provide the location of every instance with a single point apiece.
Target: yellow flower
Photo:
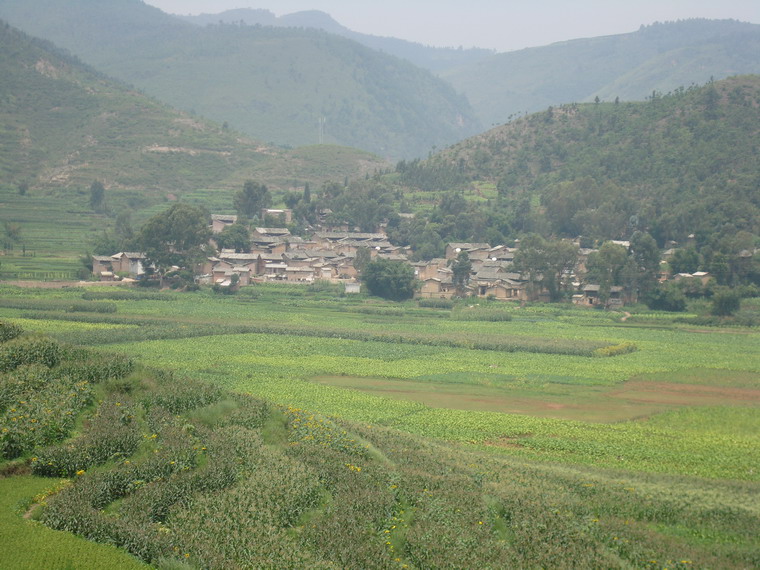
(80, 472)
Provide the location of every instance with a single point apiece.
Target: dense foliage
(392, 280)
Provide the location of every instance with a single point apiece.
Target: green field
(641, 458)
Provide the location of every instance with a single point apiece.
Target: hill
(660, 57)
(64, 124)
(274, 84)
(435, 59)
(678, 165)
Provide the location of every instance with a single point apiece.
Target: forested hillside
(676, 166)
(282, 85)
(63, 124)
(660, 57)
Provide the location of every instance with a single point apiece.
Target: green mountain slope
(682, 164)
(62, 124)
(274, 84)
(659, 57)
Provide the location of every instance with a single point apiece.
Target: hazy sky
(495, 24)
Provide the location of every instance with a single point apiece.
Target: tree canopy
(251, 199)
(392, 280)
(179, 236)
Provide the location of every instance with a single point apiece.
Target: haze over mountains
(64, 124)
(274, 84)
(303, 78)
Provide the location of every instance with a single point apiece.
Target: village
(330, 255)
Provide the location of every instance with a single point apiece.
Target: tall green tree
(645, 262)
(362, 259)
(97, 195)
(179, 236)
(606, 266)
(251, 199)
(461, 269)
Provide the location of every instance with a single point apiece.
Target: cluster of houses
(276, 255)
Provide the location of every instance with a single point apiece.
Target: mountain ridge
(273, 84)
(435, 59)
(513, 83)
(64, 124)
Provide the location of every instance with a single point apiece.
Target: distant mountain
(435, 59)
(64, 124)
(682, 164)
(660, 57)
(288, 86)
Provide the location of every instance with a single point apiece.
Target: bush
(9, 331)
(668, 298)
(725, 302)
(436, 303)
(29, 350)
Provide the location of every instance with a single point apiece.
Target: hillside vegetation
(63, 124)
(660, 57)
(680, 164)
(274, 84)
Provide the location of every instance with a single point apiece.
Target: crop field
(555, 383)
(188, 470)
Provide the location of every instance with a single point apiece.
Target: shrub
(436, 303)
(668, 298)
(9, 331)
(725, 302)
(29, 350)
(112, 431)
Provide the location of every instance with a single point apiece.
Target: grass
(27, 544)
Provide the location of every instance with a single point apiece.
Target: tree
(392, 280)
(645, 260)
(362, 259)
(97, 194)
(666, 298)
(461, 269)
(725, 302)
(546, 262)
(179, 236)
(12, 232)
(252, 199)
(684, 261)
(234, 237)
(307, 193)
(605, 267)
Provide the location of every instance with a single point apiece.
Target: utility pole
(322, 121)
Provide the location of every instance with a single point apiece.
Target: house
(474, 250)
(102, 265)
(353, 288)
(299, 274)
(221, 221)
(436, 288)
(590, 296)
(128, 263)
(284, 216)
